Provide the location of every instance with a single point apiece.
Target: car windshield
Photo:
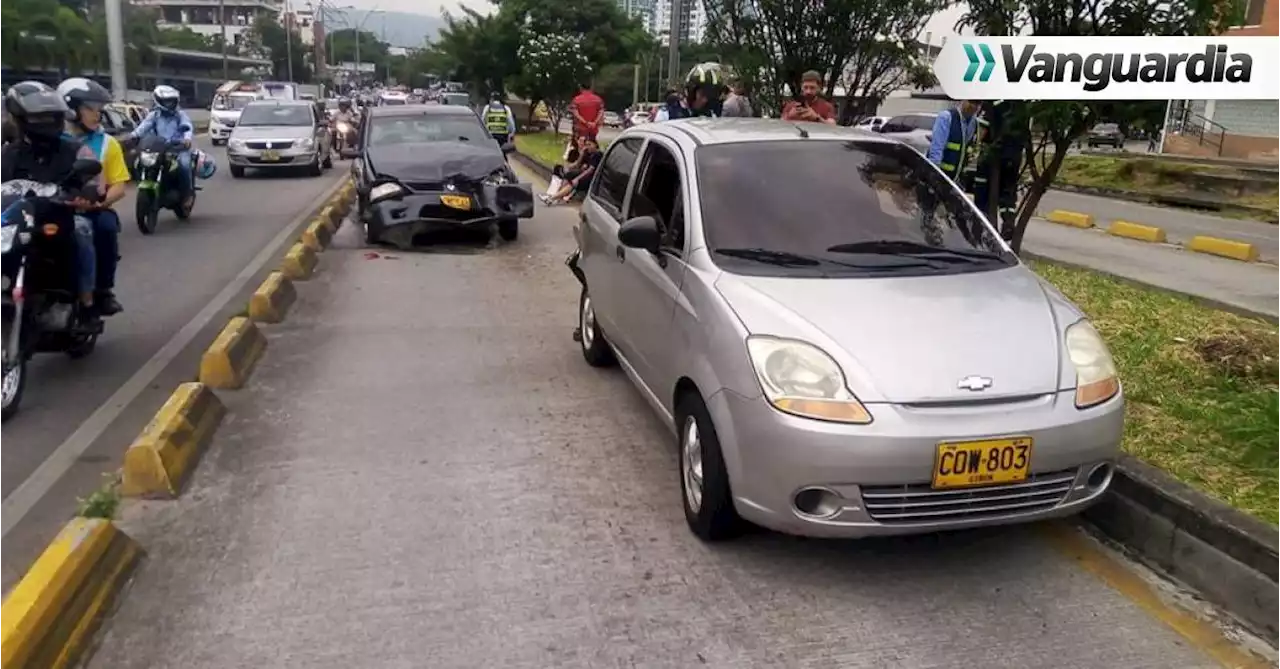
(1106, 127)
(425, 128)
(461, 100)
(275, 115)
(816, 208)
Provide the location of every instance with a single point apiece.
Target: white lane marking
(20, 502)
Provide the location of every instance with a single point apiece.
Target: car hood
(226, 114)
(273, 132)
(912, 339)
(435, 161)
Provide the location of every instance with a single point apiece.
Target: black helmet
(344, 104)
(37, 110)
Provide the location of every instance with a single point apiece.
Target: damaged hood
(436, 161)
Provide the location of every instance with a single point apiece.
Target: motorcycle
(344, 138)
(41, 312)
(159, 182)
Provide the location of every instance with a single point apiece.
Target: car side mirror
(641, 232)
(509, 147)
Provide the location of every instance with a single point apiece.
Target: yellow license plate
(270, 156)
(972, 463)
(456, 201)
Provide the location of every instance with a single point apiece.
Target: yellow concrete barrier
(1138, 231)
(53, 612)
(329, 214)
(231, 357)
(271, 301)
(168, 448)
(1226, 248)
(299, 263)
(1074, 219)
(318, 233)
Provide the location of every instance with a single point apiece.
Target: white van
(228, 101)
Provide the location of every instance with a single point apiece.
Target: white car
(638, 117)
(871, 122)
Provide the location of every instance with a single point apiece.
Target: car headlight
(237, 144)
(148, 158)
(7, 234)
(1096, 377)
(801, 379)
(306, 143)
(497, 178)
(386, 191)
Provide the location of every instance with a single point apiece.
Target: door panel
(600, 219)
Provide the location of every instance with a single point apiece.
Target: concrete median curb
(230, 359)
(163, 456)
(1138, 231)
(1074, 219)
(53, 612)
(299, 263)
(318, 233)
(270, 303)
(1225, 248)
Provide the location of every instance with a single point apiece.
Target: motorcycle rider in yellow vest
(498, 119)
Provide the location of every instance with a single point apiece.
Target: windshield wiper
(910, 249)
(788, 259)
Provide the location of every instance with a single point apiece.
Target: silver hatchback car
(280, 134)
(840, 341)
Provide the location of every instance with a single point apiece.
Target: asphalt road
(424, 472)
(164, 281)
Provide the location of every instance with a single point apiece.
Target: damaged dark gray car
(426, 167)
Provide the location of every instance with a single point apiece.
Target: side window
(896, 124)
(610, 185)
(924, 122)
(659, 193)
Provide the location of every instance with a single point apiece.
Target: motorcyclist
(703, 88)
(345, 114)
(86, 98)
(41, 152)
(171, 124)
(498, 119)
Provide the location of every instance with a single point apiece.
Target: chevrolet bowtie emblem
(268, 145)
(974, 383)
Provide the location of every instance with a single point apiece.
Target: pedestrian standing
(737, 103)
(809, 105)
(588, 112)
(953, 130)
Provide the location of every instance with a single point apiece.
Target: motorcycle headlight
(801, 379)
(386, 191)
(343, 128)
(148, 158)
(7, 235)
(306, 143)
(1096, 377)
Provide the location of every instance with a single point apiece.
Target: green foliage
(103, 502)
(267, 33)
(554, 66)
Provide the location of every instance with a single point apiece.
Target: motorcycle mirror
(86, 168)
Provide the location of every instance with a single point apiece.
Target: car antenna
(804, 134)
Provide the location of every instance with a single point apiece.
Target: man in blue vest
(953, 130)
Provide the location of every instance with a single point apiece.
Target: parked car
(876, 366)
(638, 117)
(914, 130)
(612, 120)
(871, 122)
(280, 134)
(1106, 134)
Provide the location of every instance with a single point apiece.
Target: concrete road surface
(73, 425)
(425, 473)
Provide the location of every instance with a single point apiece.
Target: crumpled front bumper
(399, 220)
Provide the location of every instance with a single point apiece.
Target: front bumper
(879, 474)
(399, 221)
(287, 158)
(220, 131)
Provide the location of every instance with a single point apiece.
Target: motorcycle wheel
(146, 211)
(15, 381)
(184, 212)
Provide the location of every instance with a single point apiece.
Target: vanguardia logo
(1099, 70)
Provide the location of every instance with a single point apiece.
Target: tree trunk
(1027, 207)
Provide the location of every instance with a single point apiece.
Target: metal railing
(1206, 131)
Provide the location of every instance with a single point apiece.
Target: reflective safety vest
(953, 152)
(495, 120)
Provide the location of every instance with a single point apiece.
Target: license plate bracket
(270, 156)
(462, 202)
(967, 464)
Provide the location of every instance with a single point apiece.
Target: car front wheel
(595, 350)
(704, 479)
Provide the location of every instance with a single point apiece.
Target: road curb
(1225, 248)
(163, 456)
(53, 612)
(1227, 556)
(299, 263)
(318, 233)
(1074, 219)
(271, 301)
(533, 165)
(230, 359)
(1138, 231)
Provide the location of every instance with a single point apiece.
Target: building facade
(1236, 129)
(202, 16)
(693, 19)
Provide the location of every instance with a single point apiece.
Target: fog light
(1099, 476)
(818, 503)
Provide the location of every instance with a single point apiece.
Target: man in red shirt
(810, 106)
(588, 112)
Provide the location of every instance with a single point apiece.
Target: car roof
(419, 110)
(271, 102)
(704, 131)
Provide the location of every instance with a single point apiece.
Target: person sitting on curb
(576, 183)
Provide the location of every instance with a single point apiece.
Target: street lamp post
(288, 38)
(222, 23)
(360, 28)
(115, 48)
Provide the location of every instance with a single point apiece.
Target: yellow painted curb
(229, 360)
(318, 233)
(166, 451)
(1138, 231)
(1074, 219)
(51, 614)
(1224, 247)
(271, 301)
(299, 263)
(329, 214)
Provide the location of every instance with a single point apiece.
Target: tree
(1055, 125)
(45, 33)
(884, 53)
(554, 65)
(276, 45)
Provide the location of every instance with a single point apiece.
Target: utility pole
(635, 84)
(115, 49)
(673, 48)
(288, 37)
(222, 20)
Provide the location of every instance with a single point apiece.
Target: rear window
(1106, 127)
(275, 115)
(818, 208)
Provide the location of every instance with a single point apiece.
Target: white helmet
(166, 97)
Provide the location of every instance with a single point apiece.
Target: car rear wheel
(704, 479)
(595, 350)
(509, 229)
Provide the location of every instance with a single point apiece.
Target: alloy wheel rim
(588, 323)
(691, 464)
(12, 379)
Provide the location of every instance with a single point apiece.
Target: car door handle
(621, 252)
